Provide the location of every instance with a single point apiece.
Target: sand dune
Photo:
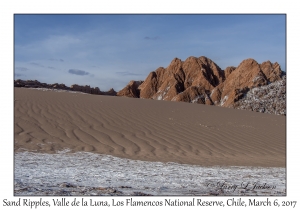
(143, 129)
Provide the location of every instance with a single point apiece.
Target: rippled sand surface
(149, 130)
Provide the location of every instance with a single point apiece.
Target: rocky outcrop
(131, 90)
(249, 74)
(86, 89)
(165, 84)
(111, 92)
(200, 80)
(75, 87)
(272, 72)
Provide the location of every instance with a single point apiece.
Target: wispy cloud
(127, 73)
(36, 64)
(151, 38)
(54, 59)
(78, 72)
(21, 69)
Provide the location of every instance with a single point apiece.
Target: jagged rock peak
(165, 84)
(249, 74)
(111, 90)
(176, 60)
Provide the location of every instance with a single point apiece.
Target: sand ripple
(47, 122)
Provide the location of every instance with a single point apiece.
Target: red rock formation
(194, 94)
(151, 83)
(247, 75)
(200, 80)
(272, 71)
(131, 90)
(165, 84)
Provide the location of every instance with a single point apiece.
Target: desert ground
(183, 134)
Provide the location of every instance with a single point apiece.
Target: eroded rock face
(189, 75)
(194, 94)
(272, 72)
(249, 74)
(200, 80)
(131, 90)
(228, 70)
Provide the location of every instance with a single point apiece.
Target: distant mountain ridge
(75, 87)
(200, 80)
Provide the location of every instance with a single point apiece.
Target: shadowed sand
(143, 129)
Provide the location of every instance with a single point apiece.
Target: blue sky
(107, 51)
